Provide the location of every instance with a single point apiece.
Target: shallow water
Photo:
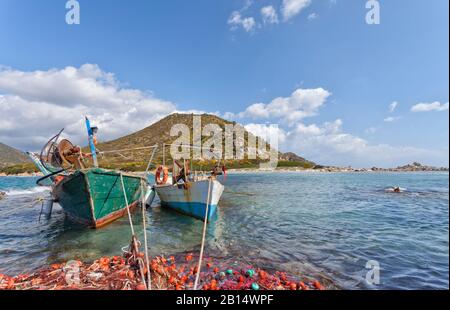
(320, 224)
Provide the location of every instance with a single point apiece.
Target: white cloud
(36, 104)
(392, 119)
(393, 106)
(302, 103)
(269, 15)
(313, 16)
(291, 8)
(236, 21)
(329, 144)
(266, 131)
(428, 107)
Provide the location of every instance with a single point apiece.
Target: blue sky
(190, 55)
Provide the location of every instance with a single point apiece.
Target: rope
(149, 277)
(49, 175)
(150, 162)
(134, 242)
(133, 149)
(205, 224)
(126, 203)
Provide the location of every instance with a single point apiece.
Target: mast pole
(91, 142)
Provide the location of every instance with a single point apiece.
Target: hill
(13, 161)
(159, 133)
(10, 156)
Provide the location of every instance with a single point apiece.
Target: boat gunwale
(181, 184)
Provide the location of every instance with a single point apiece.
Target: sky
(341, 91)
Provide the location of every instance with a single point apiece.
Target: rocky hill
(10, 156)
(159, 133)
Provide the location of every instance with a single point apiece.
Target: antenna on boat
(91, 133)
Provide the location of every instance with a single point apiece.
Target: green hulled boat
(91, 196)
(95, 197)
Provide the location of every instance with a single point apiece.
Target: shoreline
(277, 170)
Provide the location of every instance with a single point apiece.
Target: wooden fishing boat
(192, 194)
(91, 196)
(95, 197)
(192, 198)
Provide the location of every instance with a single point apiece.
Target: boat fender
(150, 197)
(58, 179)
(165, 172)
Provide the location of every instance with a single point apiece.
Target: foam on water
(31, 191)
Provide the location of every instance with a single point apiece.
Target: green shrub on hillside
(18, 169)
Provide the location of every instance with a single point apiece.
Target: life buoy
(165, 172)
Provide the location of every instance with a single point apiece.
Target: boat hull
(94, 197)
(192, 199)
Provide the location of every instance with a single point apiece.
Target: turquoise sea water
(323, 225)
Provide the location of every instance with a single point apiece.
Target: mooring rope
(126, 203)
(132, 149)
(134, 242)
(149, 277)
(205, 224)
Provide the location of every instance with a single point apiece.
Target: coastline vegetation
(18, 169)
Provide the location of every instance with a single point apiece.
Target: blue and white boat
(191, 193)
(191, 198)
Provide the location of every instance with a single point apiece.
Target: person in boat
(397, 190)
(183, 173)
(216, 170)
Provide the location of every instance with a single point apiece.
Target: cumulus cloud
(428, 107)
(35, 104)
(291, 8)
(266, 131)
(236, 20)
(269, 15)
(329, 144)
(302, 103)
